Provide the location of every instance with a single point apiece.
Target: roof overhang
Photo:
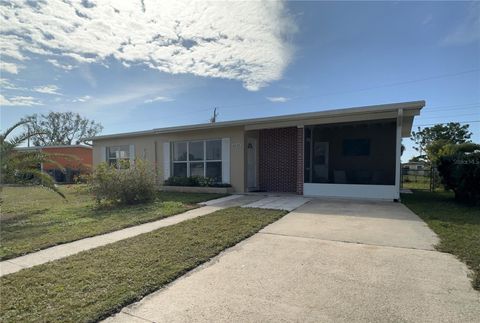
(33, 148)
(364, 113)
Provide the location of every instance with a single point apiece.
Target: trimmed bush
(195, 181)
(123, 185)
(459, 169)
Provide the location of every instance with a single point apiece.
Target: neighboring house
(414, 168)
(77, 161)
(352, 152)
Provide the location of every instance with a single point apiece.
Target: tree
(61, 128)
(430, 139)
(459, 168)
(21, 167)
(416, 159)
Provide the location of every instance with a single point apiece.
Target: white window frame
(117, 159)
(188, 161)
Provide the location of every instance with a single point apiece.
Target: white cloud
(56, 63)
(10, 67)
(47, 89)
(9, 46)
(4, 83)
(132, 94)
(246, 41)
(19, 101)
(7, 85)
(468, 30)
(277, 99)
(159, 99)
(84, 98)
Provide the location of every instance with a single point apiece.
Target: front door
(252, 163)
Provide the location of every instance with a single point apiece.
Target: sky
(138, 65)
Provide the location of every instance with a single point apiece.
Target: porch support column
(398, 154)
(300, 162)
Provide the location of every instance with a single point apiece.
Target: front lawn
(421, 182)
(34, 218)
(94, 284)
(457, 225)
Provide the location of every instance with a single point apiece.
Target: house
(414, 168)
(75, 159)
(353, 152)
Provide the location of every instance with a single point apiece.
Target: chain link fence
(422, 178)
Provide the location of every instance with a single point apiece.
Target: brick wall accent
(278, 159)
(81, 157)
(300, 161)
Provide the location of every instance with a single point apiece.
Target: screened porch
(356, 153)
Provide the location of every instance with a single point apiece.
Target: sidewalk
(40, 257)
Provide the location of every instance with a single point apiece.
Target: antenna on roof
(213, 119)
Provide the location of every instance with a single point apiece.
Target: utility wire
(452, 105)
(332, 93)
(472, 108)
(432, 124)
(364, 89)
(458, 115)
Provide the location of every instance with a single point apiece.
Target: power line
(449, 112)
(351, 91)
(461, 107)
(472, 108)
(452, 105)
(452, 108)
(432, 124)
(458, 115)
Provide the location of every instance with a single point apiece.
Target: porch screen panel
(351, 153)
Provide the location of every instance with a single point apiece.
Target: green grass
(421, 185)
(94, 284)
(457, 225)
(33, 218)
(416, 182)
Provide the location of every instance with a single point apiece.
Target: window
(356, 147)
(195, 150)
(180, 151)
(198, 158)
(116, 154)
(214, 150)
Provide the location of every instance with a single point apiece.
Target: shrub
(459, 169)
(179, 181)
(198, 181)
(123, 185)
(81, 178)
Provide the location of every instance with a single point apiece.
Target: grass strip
(94, 284)
(34, 218)
(457, 225)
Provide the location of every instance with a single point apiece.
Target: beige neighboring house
(353, 152)
(415, 168)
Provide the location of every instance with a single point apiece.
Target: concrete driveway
(328, 261)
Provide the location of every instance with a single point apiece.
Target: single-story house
(352, 152)
(415, 168)
(75, 159)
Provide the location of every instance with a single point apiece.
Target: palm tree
(21, 167)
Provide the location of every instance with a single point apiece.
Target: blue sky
(147, 64)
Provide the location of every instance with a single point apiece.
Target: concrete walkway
(328, 261)
(68, 249)
(287, 203)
